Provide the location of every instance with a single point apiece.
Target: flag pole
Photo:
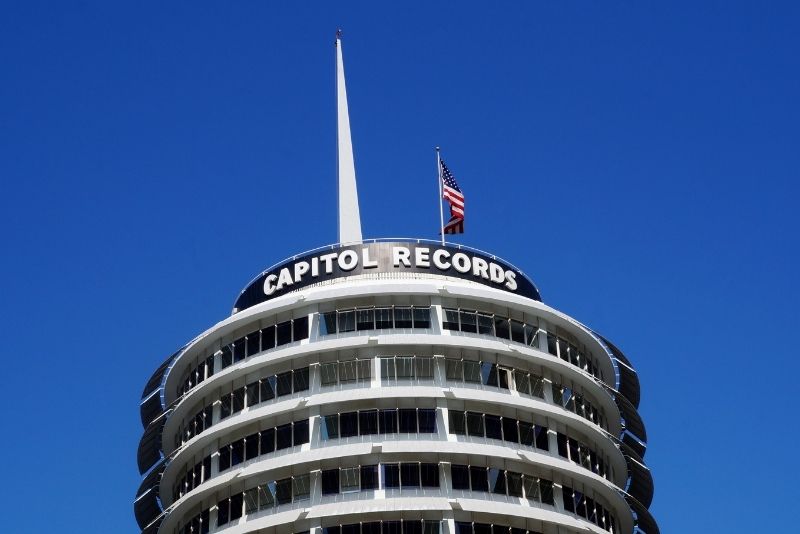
(441, 209)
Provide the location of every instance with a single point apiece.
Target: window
(350, 479)
(422, 317)
(238, 350)
(284, 383)
(532, 336)
(348, 424)
(225, 406)
(329, 426)
(427, 420)
(501, 328)
(266, 496)
(514, 481)
(327, 323)
(387, 369)
(300, 432)
(493, 429)
(388, 421)
(223, 512)
(478, 479)
(429, 475)
(405, 367)
(368, 422)
(457, 422)
(301, 487)
(238, 400)
(460, 476)
(268, 387)
(454, 369)
(408, 420)
(383, 318)
(300, 379)
(267, 441)
(251, 446)
(329, 373)
(364, 368)
(517, 331)
(347, 321)
(402, 317)
(450, 321)
(369, 477)
(510, 430)
(348, 371)
(409, 475)
(475, 424)
(472, 371)
(300, 328)
(330, 481)
(497, 481)
(468, 321)
(268, 338)
(251, 501)
(283, 491)
(253, 343)
(365, 319)
(489, 374)
(284, 332)
(532, 493)
(224, 458)
(252, 392)
(423, 367)
(237, 502)
(283, 436)
(485, 324)
(391, 475)
(227, 356)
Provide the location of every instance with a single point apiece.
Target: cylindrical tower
(394, 387)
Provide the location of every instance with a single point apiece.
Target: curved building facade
(394, 387)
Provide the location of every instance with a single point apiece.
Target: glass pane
(531, 336)
(283, 491)
(251, 501)
(478, 479)
(510, 432)
(365, 319)
(284, 381)
(387, 368)
(454, 369)
(327, 323)
(328, 373)
(348, 424)
(391, 475)
(388, 421)
(537, 386)
(450, 319)
(468, 322)
(236, 506)
(475, 424)
(497, 481)
(522, 382)
(347, 321)
(251, 446)
(238, 400)
(300, 328)
(422, 317)
(267, 441)
(402, 317)
(268, 338)
(472, 371)
(431, 527)
(364, 370)
(429, 475)
(252, 392)
(330, 426)
(227, 356)
(369, 477)
(493, 430)
(283, 436)
(526, 434)
(284, 332)
(424, 367)
(350, 479)
(348, 371)
(408, 420)
(409, 475)
(330, 481)
(532, 489)
(301, 487)
(300, 432)
(457, 422)
(238, 349)
(517, 332)
(514, 484)
(268, 386)
(427, 420)
(383, 318)
(460, 475)
(300, 379)
(485, 324)
(405, 367)
(253, 343)
(489, 374)
(368, 422)
(501, 327)
(266, 496)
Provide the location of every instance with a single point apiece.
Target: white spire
(349, 215)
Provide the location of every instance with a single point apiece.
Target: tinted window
(460, 475)
(450, 319)
(283, 491)
(501, 327)
(284, 332)
(427, 420)
(422, 317)
(493, 430)
(429, 474)
(300, 379)
(327, 323)
(388, 421)
(391, 475)
(457, 422)
(409, 475)
(402, 318)
(468, 322)
(253, 343)
(300, 432)
(330, 481)
(510, 430)
(383, 318)
(478, 479)
(283, 436)
(300, 328)
(368, 422)
(330, 426)
(267, 440)
(268, 386)
(347, 321)
(369, 477)
(408, 420)
(268, 338)
(365, 319)
(348, 424)
(285, 383)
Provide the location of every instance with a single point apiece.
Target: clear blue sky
(639, 161)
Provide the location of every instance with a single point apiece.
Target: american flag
(453, 195)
